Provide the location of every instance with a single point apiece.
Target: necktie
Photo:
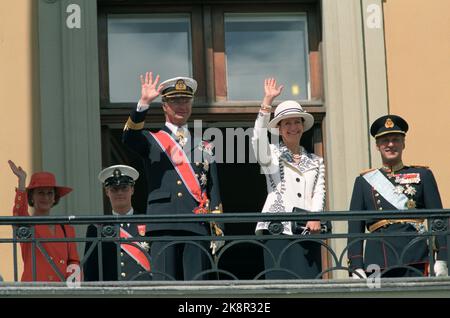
(180, 136)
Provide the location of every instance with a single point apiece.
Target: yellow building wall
(417, 36)
(19, 132)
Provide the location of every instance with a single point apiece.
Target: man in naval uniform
(394, 186)
(181, 177)
(132, 259)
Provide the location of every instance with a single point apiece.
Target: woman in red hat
(42, 194)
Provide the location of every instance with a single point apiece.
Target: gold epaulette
(132, 125)
(366, 171)
(420, 166)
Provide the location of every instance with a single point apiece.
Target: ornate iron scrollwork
(275, 228)
(439, 225)
(23, 232)
(109, 231)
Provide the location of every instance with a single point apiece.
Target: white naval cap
(118, 175)
(179, 87)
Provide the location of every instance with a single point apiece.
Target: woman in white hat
(295, 179)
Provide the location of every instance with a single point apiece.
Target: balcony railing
(333, 253)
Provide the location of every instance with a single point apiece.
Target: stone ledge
(394, 287)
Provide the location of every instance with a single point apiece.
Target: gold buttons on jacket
(61, 261)
(122, 264)
(380, 208)
(123, 274)
(378, 201)
(179, 182)
(377, 194)
(179, 194)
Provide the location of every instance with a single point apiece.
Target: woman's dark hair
(30, 197)
(303, 121)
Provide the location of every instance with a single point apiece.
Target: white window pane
(266, 45)
(139, 43)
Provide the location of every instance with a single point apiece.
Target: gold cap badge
(180, 85)
(389, 123)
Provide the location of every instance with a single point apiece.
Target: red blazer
(62, 253)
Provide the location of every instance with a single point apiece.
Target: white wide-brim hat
(290, 109)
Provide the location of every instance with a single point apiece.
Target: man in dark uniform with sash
(394, 186)
(181, 177)
(134, 259)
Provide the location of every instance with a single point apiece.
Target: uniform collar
(174, 128)
(393, 169)
(128, 213)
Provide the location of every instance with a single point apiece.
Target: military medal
(180, 137)
(141, 229)
(144, 245)
(203, 179)
(411, 204)
(200, 210)
(407, 178)
(206, 147)
(399, 189)
(206, 165)
(410, 190)
(203, 208)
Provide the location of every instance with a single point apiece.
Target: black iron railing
(232, 256)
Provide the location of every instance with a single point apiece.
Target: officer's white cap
(179, 87)
(118, 174)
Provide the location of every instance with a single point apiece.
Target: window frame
(208, 52)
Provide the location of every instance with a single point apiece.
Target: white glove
(361, 272)
(215, 246)
(440, 268)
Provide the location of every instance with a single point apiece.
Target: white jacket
(288, 185)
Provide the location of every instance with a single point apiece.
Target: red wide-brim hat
(47, 179)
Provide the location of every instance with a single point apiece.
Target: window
(228, 48)
(137, 42)
(261, 45)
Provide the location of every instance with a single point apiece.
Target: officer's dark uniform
(113, 256)
(169, 195)
(420, 188)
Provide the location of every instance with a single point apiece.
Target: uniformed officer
(181, 176)
(133, 258)
(395, 186)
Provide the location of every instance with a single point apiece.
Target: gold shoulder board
(366, 171)
(420, 166)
